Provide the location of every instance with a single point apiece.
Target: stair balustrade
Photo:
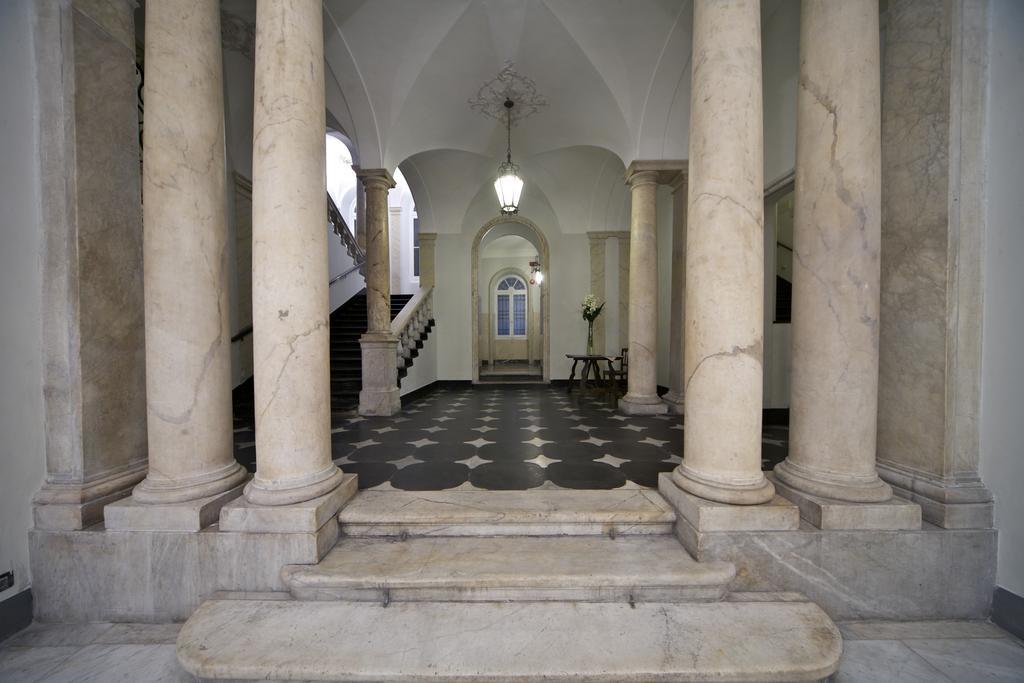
(410, 324)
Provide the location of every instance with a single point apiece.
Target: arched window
(510, 308)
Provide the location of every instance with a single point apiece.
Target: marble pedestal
(826, 513)
(778, 514)
(306, 517)
(379, 395)
(948, 503)
(76, 506)
(673, 403)
(192, 515)
(641, 405)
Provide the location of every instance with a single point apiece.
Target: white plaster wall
(21, 392)
(1002, 389)
(568, 279)
(424, 366)
(780, 36)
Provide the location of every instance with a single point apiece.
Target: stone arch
(528, 230)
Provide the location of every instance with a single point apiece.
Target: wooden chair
(614, 376)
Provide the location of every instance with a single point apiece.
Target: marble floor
(873, 652)
(507, 437)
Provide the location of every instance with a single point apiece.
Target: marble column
(361, 216)
(396, 249)
(93, 349)
(725, 259)
(642, 395)
(677, 377)
(932, 254)
(379, 395)
(428, 244)
(597, 258)
(290, 297)
(623, 244)
(836, 235)
(188, 363)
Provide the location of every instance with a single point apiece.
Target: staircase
(510, 586)
(348, 323)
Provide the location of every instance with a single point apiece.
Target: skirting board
(15, 613)
(1008, 611)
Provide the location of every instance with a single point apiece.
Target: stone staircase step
(507, 513)
(576, 568)
(250, 640)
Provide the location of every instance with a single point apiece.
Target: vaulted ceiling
(615, 74)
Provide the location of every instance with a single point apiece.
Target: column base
(947, 503)
(294, 491)
(306, 517)
(692, 482)
(634, 404)
(699, 521)
(869, 489)
(894, 514)
(74, 506)
(379, 395)
(191, 515)
(379, 403)
(674, 403)
(156, 491)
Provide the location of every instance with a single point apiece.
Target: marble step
(250, 640)
(507, 513)
(574, 568)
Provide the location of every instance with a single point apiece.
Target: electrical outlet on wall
(6, 581)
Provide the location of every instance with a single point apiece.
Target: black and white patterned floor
(506, 438)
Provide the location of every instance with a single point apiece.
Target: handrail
(402, 319)
(342, 230)
(345, 274)
(242, 334)
(350, 243)
(411, 322)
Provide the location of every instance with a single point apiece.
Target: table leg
(572, 373)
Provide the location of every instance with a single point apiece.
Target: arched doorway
(492, 343)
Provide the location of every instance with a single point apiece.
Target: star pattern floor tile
(505, 438)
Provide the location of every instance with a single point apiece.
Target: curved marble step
(576, 568)
(249, 640)
(507, 513)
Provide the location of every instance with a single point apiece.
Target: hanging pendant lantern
(509, 184)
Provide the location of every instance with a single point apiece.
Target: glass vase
(590, 337)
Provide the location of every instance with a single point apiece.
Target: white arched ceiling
(615, 75)
(573, 190)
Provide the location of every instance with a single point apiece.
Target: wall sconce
(536, 275)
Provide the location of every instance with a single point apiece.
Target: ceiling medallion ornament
(511, 97)
(509, 84)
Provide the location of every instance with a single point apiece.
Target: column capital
(605, 234)
(680, 181)
(375, 177)
(428, 237)
(659, 171)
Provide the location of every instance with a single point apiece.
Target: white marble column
(725, 259)
(361, 215)
(642, 395)
(597, 276)
(290, 298)
(188, 365)
(623, 267)
(836, 234)
(396, 250)
(428, 244)
(379, 395)
(677, 376)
